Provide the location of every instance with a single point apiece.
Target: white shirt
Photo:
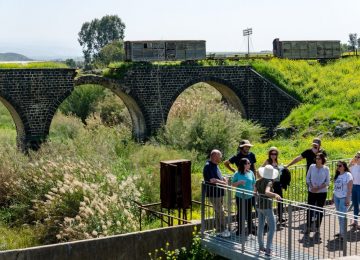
(317, 177)
(340, 185)
(355, 171)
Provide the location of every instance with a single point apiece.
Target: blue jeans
(340, 207)
(356, 200)
(267, 214)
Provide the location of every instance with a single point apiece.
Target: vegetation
(84, 180)
(83, 101)
(113, 51)
(331, 93)
(96, 34)
(195, 252)
(34, 65)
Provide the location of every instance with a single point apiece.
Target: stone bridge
(33, 95)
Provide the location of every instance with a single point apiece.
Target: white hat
(245, 143)
(268, 172)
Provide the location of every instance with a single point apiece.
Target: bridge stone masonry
(33, 95)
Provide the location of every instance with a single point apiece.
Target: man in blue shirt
(213, 178)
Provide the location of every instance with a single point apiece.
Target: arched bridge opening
(225, 89)
(17, 120)
(137, 117)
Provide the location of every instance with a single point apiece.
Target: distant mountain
(13, 57)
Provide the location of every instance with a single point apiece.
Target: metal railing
(231, 231)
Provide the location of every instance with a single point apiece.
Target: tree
(96, 34)
(344, 47)
(71, 63)
(111, 52)
(83, 101)
(353, 41)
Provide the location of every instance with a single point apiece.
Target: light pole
(247, 32)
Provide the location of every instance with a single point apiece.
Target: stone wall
(32, 96)
(128, 246)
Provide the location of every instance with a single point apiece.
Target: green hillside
(13, 57)
(330, 94)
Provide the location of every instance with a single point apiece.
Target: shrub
(82, 102)
(113, 111)
(195, 252)
(68, 199)
(213, 126)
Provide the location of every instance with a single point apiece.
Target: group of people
(258, 188)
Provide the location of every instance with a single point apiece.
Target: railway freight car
(164, 50)
(319, 50)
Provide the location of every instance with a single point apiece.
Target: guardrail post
(345, 236)
(202, 209)
(229, 197)
(289, 245)
(242, 218)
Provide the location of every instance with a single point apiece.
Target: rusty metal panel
(175, 184)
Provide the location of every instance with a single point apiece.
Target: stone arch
(137, 117)
(225, 88)
(19, 120)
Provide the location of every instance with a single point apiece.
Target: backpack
(285, 178)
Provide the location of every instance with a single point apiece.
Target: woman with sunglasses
(244, 179)
(343, 183)
(317, 180)
(273, 161)
(355, 172)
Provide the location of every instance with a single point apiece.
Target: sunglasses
(357, 157)
(273, 154)
(339, 165)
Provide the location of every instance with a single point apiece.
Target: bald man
(213, 178)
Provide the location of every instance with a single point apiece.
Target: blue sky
(50, 28)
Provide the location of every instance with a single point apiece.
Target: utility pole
(247, 32)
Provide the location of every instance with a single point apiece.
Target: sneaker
(305, 238)
(317, 238)
(262, 250)
(225, 233)
(268, 252)
(282, 221)
(354, 227)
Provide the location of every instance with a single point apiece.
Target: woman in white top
(343, 183)
(355, 171)
(317, 180)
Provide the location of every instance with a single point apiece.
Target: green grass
(14, 238)
(34, 65)
(330, 93)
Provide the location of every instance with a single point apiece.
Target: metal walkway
(289, 242)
